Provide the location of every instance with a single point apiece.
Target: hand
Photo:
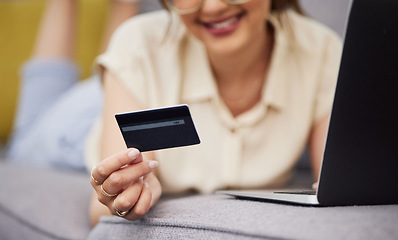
(124, 182)
(315, 185)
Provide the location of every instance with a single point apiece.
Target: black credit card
(158, 128)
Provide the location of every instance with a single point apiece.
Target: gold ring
(95, 180)
(107, 194)
(92, 177)
(119, 213)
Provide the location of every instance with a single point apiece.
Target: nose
(213, 6)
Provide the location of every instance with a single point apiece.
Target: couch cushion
(223, 217)
(39, 203)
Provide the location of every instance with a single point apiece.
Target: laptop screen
(360, 162)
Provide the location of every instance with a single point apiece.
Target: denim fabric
(55, 114)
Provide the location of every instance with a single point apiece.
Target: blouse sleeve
(124, 58)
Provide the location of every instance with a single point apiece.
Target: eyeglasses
(189, 6)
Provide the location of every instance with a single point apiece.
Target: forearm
(117, 100)
(317, 145)
(56, 35)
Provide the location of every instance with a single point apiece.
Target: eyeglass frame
(200, 5)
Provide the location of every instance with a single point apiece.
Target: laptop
(360, 161)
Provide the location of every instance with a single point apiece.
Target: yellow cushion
(19, 21)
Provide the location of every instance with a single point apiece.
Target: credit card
(158, 128)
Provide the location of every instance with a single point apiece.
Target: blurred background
(19, 21)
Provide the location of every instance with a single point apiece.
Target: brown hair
(282, 5)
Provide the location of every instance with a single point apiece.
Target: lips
(223, 26)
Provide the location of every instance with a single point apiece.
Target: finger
(114, 163)
(124, 177)
(104, 196)
(126, 200)
(94, 182)
(142, 206)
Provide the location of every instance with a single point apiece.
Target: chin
(226, 46)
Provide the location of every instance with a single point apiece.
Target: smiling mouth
(223, 23)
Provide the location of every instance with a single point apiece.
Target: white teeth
(224, 23)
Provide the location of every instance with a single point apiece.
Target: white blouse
(258, 148)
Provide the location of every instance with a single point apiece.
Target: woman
(258, 77)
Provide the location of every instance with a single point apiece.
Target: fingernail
(133, 153)
(146, 185)
(153, 164)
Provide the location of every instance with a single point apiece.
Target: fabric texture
(243, 151)
(46, 203)
(55, 114)
(43, 203)
(222, 217)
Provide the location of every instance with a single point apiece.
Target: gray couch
(46, 203)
